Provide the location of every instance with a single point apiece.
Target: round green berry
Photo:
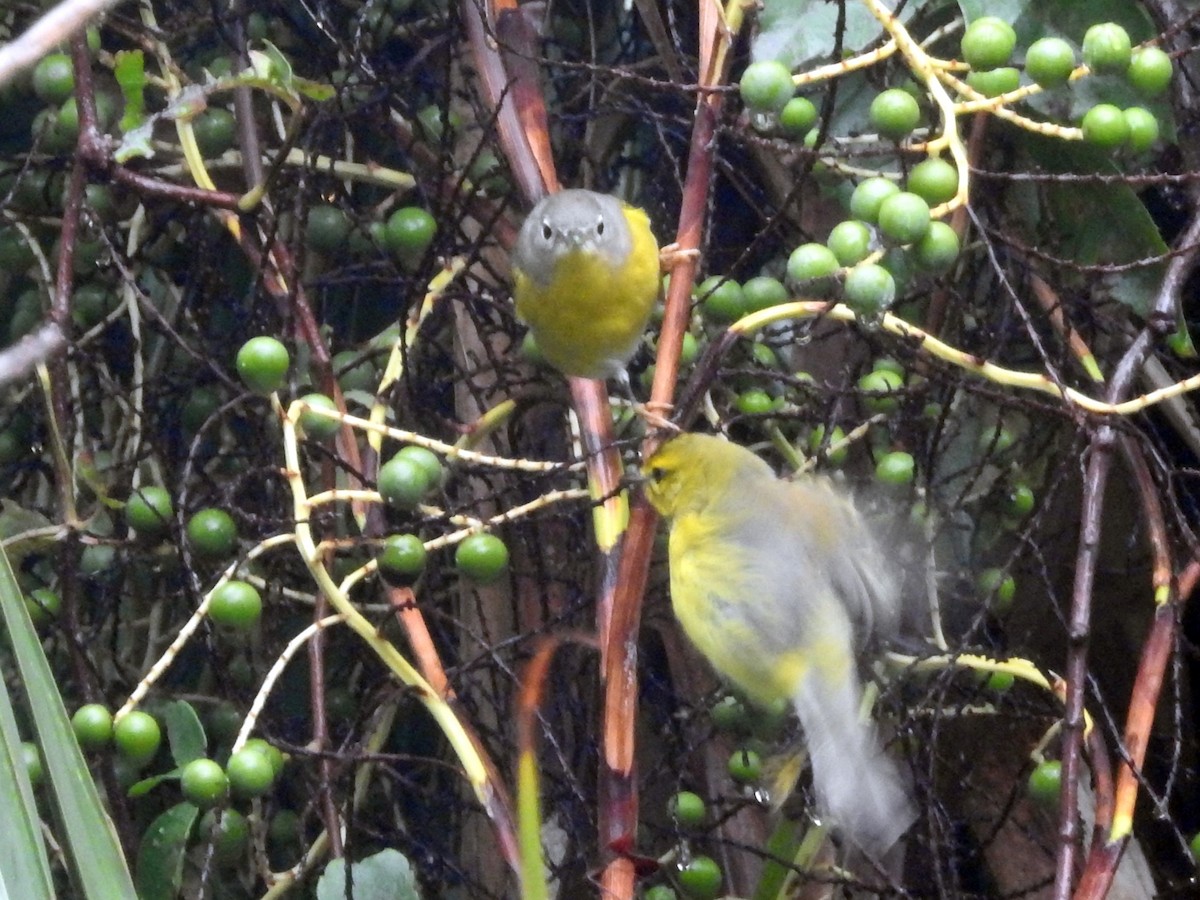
(1000, 681)
(43, 605)
(868, 195)
(797, 117)
(896, 468)
(687, 809)
(32, 759)
(204, 783)
(999, 588)
(1045, 782)
(427, 460)
(701, 878)
(54, 78)
(1143, 128)
(767, 86)
(728, 714)
(721, 299)
(938, 250)
(136, 736)
(850, 242)
(148, 510)
(316, 425)
(212, 533)
(272, 753)
(250, 772)
(1105, 126)
(810, 262)
(262, 364)
(763, 292)
(880, 387)
(818, 445)
(215, 130)
(402, 558)
(327, 228)
(93, 726)
(660, 892)
(755, 402)
(933, 180)
(409, 232)
(745, 766)
(988, 42)
(904, 217)
(403, 482)
(1020, 501)
(1049, 62)
(1107, 48)
(869, 289)
(230, 836)
(1149, 71)
(235, 605)
(995, 82)
(894, 113)
(482, 558)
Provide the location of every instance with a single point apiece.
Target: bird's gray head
(571, 221)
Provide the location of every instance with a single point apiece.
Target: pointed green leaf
(185, 734)
(161, 855)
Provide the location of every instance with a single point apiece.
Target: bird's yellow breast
(589, 315)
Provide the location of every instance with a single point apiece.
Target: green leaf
(130, 71)
(387, 875)
(24, 869)
(800, 33)
(185, 734)
(87, 835)
(161, 855)
(146, 785)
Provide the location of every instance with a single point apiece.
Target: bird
(585, 280)
(777, 583)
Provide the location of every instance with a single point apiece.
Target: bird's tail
(860, 789)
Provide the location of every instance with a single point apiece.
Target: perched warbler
(777, 583)
(585, 279)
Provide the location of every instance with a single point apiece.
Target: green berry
(818, 444)
(31, 757)
(896, 468)
(403, 482)
(939, 249)
(1000, 681)
(427, 460)
(767, 86)
(327, 228)
(1143, 128)
(316, 425)
(148, 510)
(409, 232)
(904, 217)
(850, 242)
(755, 402)
(881, 386)
(136, 736)
(933, 180)
(988, 42)
(230, 837)
(212, 533)
(1049, 62)
(93, 726)
(865, 200)
(894, 113)
(43, 605)
(262, 364)
(728, 714)
(1045, 782)
(660, 892)
(402, 558)
(1107, 49)
(482, 558)
(1020, 501)
(1105, 126)
(810, 262)
(999, 588)
(763, 292)
(721, 299)
(235, 605)
(204, 783)
(797, 117)
(215, 131)
(1194, 846)
(995, 82)
(687, 809)
(54, 78)
(869, 289)
(251, 773)
(1149, 71)
(272, 753)
(701, 878)
(745, 766)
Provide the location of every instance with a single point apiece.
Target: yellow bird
(585, 279)
(777, 583)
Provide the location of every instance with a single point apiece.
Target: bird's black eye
(547, 231)
(600, 228)
(657, 474)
